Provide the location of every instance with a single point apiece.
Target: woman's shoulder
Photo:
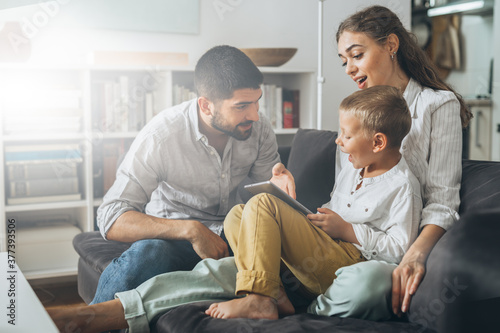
(437, 98)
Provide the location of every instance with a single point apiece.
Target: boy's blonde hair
(380, 109)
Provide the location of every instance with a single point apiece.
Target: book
(43, 187)
(97, 171)
(30, 171)
(109, 163)
(279, 108)
(25, 154)
(112, 154)
(291, 108)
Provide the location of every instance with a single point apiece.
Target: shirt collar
(413, 89)
(388, 174)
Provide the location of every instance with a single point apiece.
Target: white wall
(338, 85)
(244, 23)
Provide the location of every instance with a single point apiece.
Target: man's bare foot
(89, 319)
(252, 306)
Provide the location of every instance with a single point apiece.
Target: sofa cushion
(312, 163)
(480, 186)
(192, 318)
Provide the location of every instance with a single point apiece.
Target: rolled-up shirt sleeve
(136, 179)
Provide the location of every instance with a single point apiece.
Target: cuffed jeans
(142, 261)
(209, 280)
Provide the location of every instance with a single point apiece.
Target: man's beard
(220, 125)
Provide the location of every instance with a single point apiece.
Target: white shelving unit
(14, 79)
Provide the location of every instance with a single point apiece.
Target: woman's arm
(441, 158)
(407, 276)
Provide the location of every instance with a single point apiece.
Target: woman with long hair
(376, 49)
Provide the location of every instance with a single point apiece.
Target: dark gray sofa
(460, 292)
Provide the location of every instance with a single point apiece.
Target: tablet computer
(269, 187)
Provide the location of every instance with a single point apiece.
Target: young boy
(373, 214)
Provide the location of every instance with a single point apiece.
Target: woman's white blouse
(433, 151)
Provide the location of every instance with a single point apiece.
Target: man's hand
(207, 244)
(334, 225)
(284, 179)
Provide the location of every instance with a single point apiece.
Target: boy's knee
(367, 282)
(361, 291)
(233, 219)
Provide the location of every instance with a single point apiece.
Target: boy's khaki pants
(265, 231)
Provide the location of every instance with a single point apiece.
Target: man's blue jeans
(142, 261)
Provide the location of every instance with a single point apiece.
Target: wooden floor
(53, 295)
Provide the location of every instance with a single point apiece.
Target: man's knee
(149, 249)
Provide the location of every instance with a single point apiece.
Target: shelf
(286, 131)
(115, 135)
(45, 206)
(50, 273)
(43, 137)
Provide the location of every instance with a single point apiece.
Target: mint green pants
(361, 291)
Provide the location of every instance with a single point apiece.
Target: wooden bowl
(269, 56)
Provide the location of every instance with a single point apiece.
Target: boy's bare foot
(88, 319)
(252, 306)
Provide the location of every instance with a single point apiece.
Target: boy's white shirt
(385, 211)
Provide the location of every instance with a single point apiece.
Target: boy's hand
(284, 179)
(334, 225)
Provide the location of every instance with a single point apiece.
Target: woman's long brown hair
(378, 22)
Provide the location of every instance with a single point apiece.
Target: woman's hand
(407, 277)
(405, 280)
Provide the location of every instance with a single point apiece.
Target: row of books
(50, 110)
(42, 173)
(120, 105)
(281, 106)
(124, 104)
(182, 94)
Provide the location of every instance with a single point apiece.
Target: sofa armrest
(462, 269)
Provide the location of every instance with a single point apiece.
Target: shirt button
(366, 209)
(349, 205)
(223, 175)
(352, 192)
